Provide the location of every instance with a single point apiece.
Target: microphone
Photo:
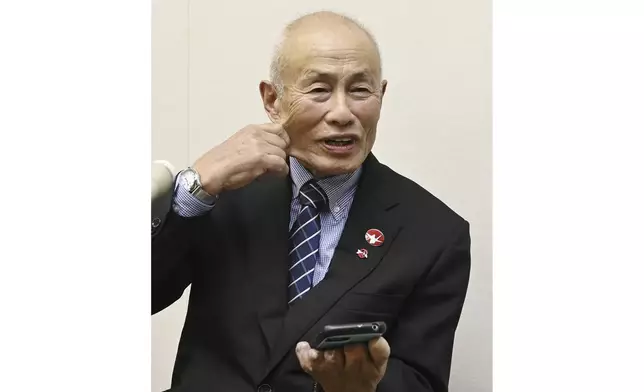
(163, 174)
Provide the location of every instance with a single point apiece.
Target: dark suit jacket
(239, 332)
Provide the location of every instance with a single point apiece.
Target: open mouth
(339, 142)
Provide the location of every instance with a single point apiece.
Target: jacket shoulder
(421, 203)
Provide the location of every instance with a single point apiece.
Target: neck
(317, 174)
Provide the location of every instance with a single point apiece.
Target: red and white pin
(374, 237)
(362, 253)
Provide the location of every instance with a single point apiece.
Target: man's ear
(383, 88)
(270, 99)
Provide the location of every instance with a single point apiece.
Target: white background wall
(208, 58)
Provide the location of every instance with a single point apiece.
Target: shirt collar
(339, 189)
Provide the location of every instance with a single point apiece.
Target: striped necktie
(305, 239)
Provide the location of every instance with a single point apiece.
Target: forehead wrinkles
(312, 54)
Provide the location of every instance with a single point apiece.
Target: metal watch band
(202, 195)
(197, 190)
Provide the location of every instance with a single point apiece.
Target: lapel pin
(362, 253)
(374, 237)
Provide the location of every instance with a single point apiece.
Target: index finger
(278, 129)
(379, 350)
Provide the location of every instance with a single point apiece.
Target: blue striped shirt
(339, 189)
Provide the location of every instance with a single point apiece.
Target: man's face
(332, 99)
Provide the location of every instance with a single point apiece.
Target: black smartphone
(340, 335)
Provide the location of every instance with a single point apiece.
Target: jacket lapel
(371, 208)
(267, 246)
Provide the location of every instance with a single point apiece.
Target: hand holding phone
(340, 335)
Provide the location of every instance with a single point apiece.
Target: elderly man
(293, 225)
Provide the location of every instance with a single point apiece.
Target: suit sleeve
(175, 246)
(422, 341)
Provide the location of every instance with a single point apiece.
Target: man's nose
(340, 115)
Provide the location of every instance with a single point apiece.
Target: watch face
(189, 179)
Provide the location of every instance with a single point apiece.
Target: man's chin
(327, 167)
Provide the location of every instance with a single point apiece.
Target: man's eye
(361, 90)
(319, 90)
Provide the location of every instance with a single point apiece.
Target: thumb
(306, 356)
(287, 124)
(286, 120)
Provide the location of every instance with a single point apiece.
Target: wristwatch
(189, 179)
